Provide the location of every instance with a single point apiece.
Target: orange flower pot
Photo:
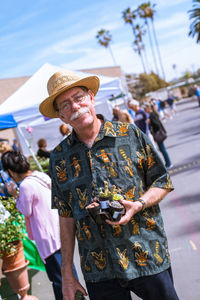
(15, 270)
(12, 262)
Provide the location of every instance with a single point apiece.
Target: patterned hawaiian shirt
(123, 156)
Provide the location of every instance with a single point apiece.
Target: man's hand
(131, 209)
(70, 287)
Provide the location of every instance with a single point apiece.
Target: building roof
(10, 85)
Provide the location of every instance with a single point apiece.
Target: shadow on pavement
(186, 229)
(184, 200)
(189, 108)
(179, 144)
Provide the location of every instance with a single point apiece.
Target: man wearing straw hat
(116, 257)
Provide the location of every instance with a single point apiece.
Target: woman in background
(42, 222)
(155, 124)
(42, 151)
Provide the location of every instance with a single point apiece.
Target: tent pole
(17, 138)
(30, 149)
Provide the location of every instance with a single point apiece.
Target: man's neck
(88, 134)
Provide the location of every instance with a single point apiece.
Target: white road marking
(194, 247)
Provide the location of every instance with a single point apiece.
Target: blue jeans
(154, 287)
(163, 150)
(53, 269)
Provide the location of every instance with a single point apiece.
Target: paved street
(181, 209)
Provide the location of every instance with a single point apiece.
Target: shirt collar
(108, 128)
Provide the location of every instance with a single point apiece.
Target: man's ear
(91, 94)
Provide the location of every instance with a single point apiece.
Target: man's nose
(74, 106)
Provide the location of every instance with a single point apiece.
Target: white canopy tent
(24, 107)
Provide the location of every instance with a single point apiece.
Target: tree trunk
(158, 50)
(113, 58)
(152, 47)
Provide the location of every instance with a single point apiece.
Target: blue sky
(63, 33)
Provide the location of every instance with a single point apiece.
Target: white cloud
(168, 3)
(173, 21)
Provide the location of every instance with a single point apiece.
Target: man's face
(76, 107)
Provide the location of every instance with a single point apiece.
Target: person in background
(4, 177)
(130, 102)
(197, 92)
(124, 116)
(116, 257)
(14, 145)
(64, 130)
(42, 223)
(148, 131)
(4, 147)
(155, 124)
(140, 119)
(115, 113)
(170, 102)
(42, 151)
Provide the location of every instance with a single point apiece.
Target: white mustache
(79, 113)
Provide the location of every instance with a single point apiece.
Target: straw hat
(62, 81)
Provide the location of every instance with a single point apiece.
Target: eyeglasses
(67, 105)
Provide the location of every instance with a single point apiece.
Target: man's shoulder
(63, 146)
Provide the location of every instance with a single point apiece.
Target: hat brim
(46, 107)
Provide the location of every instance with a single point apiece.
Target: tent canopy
(7, 121)
(22, 107)
(34, 90)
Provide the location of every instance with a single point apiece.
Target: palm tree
(195, 16)
(146, 12)
(140, 32)
(151, 11)
(129, 17)
(104, 39)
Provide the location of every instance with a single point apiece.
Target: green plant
(13, 228)
(44, 162)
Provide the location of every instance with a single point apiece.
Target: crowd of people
(97, 157)
(149, 118)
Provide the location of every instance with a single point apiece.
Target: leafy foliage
(195, 16)
(14, 227)
(150, 82)
(104, 37)
(44, 162)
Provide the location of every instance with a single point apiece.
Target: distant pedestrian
(170, 102)
(129, 104)
(42, 151)
(140, 119)
(148, 131)
(14, 145)
(197, 92)
(155, 125)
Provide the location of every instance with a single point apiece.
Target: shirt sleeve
(25, 201)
